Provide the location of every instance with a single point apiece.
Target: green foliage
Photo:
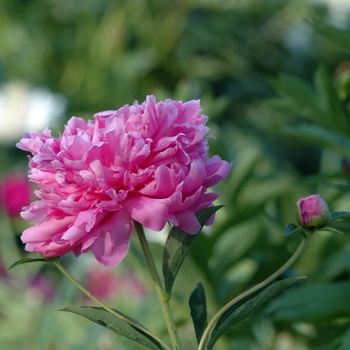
(291, 228)
(337, 36)
(115, 324)
(198, 308)
(240, 311)
(26, 261)
(177, 247)
(101, 55)
(317, 302)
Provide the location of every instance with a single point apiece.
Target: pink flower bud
(313, 212)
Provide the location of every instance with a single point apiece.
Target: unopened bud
(313, 212)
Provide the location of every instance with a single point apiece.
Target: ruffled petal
(149, 212)
(112, 243)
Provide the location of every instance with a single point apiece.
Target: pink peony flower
(147, 162)
(15, 193)
(313, 212)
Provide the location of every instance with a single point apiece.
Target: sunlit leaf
(240, 311)
(115, 324)
(198, 308)
(177, 247)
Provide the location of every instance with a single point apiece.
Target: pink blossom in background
(3, 272)
(313, 212)
(104, 283)
(15, 193)
(44, 286)
(147, 162)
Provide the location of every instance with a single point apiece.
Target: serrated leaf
(198, 308)
(240, 311)
(177, 247)
(105, 319)
(338, 36)
(26, 261)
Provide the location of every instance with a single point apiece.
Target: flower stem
(104, 306)
(292, 259)
(159, 289)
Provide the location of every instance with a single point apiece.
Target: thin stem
(104, 306)
(159, 289)
(252, 290)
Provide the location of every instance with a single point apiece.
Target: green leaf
(321, 137)
(291, 228)
(338, 226)
(177, 246)
(328, 97)
(240, 311)
(198, 308)
(288, 106)
(311, 303)
(344, 215)
(245, 163)
(296, 89)
(345, 341)
(331, 229)
(26, 261)
(339, 37)
(115, 324)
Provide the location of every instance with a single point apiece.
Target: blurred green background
(273, 77)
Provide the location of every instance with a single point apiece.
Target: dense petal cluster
(147, 162)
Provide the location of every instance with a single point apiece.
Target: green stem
(104, 306)
(252, 290)
(159, 289)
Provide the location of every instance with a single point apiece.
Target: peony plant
(141, 166)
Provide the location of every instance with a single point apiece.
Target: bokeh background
(275, 87)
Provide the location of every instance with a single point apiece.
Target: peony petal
(217, 169)
(46, 230)
(36, 211)
(112, 244)
(195, 177)
(188, 222)
(164, 184)
(149, 212)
